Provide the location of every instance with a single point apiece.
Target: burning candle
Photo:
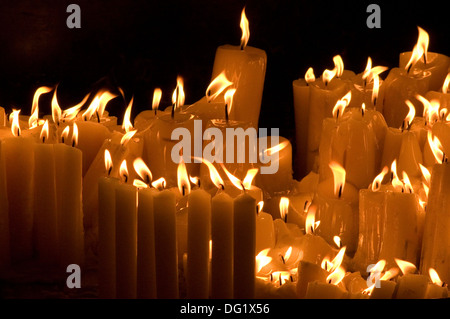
(309, 272)
(436, 288)
(19, 167)
(265, 231)
(199, 232)
(5, 255)
(143, 120)
(146, 276)
(442, 95)
(107, 231)
(166, 263)
(45, 205)
(126, 236)
(436, 237)
(245, 66)
(68, 160)
(410, 285)
(337, 209)
(244, 242)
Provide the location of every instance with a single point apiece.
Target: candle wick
(43, 139)
(62, 139)
(73, 143)
(98, 116)
(156, 110)
(109, 171)
(226, 112)
(362, 112)
(147, 177)
(198, 183)
(242, 46)
(409, 68)
(312, 229)
(173, 111)
(292, 279)
(183, 190)
(126, 177)
(340, 191)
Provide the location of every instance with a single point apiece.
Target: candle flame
(127, 126)
(436, 147)
(142, 170)
(376, 184)
(123, 171)
(234, 180)
(65, 134)
(341, 104)
(126, 137)
(229, 94)
(368, 68)
(284, 207)
(217, 86)
(160, 183)
(407, 183)
(182, 177)
(339, 178)
(338, 65)
(71, 113)
(420, 49)
(426, 173)
(446, 84)
(178, 96)
(337, 241)
(98, 105)
(245, 29)
(214, 174)
(336, 276)
(157, 94)
(430, 110)
(309, 75)
(75, 135)
(194, 180)
(260, 206)
(108, 161)
(44, 132)
(15, 126)
(248, 179)
(405, 266)
(288, 254)
(139, 184)
(262, 259)
(310, 220)
(434, 276)
(375, 89)
(33, 120)
(410, 116)
(328, 75)
(56, 109)
(276, 148)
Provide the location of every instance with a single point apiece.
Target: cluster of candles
(75, 184)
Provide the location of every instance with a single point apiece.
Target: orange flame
(426, 173)
(420, 49)
(446, 84)
(436, 148)
(376, 184)
(142, 170)
(108, 161)
(407, 183)
(127, 126)
(410, 116)
(213, 173)
(338, 65)
(229, 94)
(160, 183)
(248, 179)
(98, 105)
(341, 104)
(157, 94)
(178, 96)
(183, 180)
(309, 75)
(44, 132)
(56, 109)
(284, 207)
(262, 259)
(123, 171)
(260, 206)
(276, 148)
(15, 126)
(435, 277)
(339, 178)
(245, 29)
(217, 86)
(127, 137)
(366, 72)
(33, 120)
(75, 135)
(375, 89)
(328, 75)
(337, 241)
(310, 220)
(71, 113)
(405, 266)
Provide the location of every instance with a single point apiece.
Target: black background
(139, 45)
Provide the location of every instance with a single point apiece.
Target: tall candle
(5, 257)
(222, 246)
(166, 264)
(45, 205)
(126, 241)
(245, 66)
(199, 234)
(19, 167)
(436, 237)
(244, 246)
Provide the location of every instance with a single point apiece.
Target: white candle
(244, 246)
(165, 245)
(199, 233)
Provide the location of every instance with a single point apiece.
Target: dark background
(139, 45)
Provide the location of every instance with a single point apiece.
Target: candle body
(265, 232)
(244, 241)
(385, 291)
(308, 272)
(338, 216)
(411, 286)
(199, 233)
(435, 291)
(5, 254)
(68, 176)
(19, 166)
(107, 237)
(222, 246)
(166, 264)
(246, 69)
(323, 290)
(436, 237)
(146, 276)
(322, 99)
(390, 226)
(126, 241)
(45, 205)
(301, 112)
(399, 87)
